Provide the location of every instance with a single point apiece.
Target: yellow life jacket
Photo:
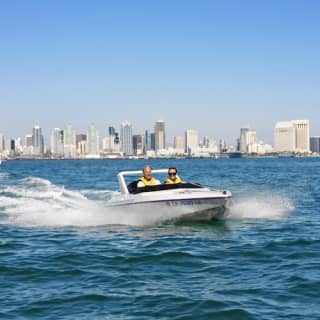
(151, 182)
(169, 181)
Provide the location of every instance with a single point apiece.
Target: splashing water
(38, 202)
(265, 206)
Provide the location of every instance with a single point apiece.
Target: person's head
(147, 172)
(172, 172)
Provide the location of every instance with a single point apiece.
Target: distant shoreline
(217, 157)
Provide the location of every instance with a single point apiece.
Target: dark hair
(173, 168)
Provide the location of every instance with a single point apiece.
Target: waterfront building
(153, 141)
(93, 147)
(18, 146)
(37, 141)
(1, 143)
(57, 142)
(178, 143)
(69, 145)
(243, 139)
(149, 141)
(106, 144)
(247, 137)
(28, 148)
(160, 135)
(138, 144)
(292, 136)
(191, 142)
(223, 145)
(315, 144)
(302, 135)
(126, 138)
(285, 137)
(112, 131)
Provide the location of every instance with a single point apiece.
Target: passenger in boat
(173, 176)
(147, 179)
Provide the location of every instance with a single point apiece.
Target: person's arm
(140, 184)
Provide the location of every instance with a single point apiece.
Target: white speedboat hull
(179, 204)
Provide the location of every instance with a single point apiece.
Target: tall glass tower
(37, 141)
(93, 141)
(160, 135)
(126, 138)
(57, 142)
(69, 146)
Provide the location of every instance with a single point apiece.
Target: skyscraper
(112, 131)
(37, 141)
(57, 142)
(302, 135)
(191, 142)
(160, 135)
(138, 144)
(93, 148)
(292, 136)
(126, 138)
(69, 147)
(147, 141)
(315, 144)
(1, 142)
(178, 143)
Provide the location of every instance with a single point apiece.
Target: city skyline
(292, 136)
(211, 66)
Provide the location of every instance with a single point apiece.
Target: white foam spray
(260, 206)
(38, 202)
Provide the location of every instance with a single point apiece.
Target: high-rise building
(37, 141)
(153, 140)
(69, 146)
(126, 138)
(292, 136)
(191, 142)
(247, 137)
(178, 143)
(57, 142)
(243, 139)
(1, 142)
(285, 137)
(93, 148)
(28, 140)
(112, 131)
(138, 144)
(302, 135)
(315, 144)
(160, 135)
(147, 141)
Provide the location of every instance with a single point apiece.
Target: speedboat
(182, 201)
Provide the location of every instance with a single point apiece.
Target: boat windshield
(133, 189)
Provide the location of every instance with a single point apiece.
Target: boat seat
(133, 186)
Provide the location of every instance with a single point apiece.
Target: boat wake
(36, 202)
(260, 206)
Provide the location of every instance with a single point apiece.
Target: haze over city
(207, 65)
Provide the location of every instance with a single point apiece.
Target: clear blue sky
(214, 66)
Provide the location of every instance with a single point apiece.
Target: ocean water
(64, 255)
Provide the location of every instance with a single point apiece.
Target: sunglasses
(172, 173)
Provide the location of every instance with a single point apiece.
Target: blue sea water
(64, 255)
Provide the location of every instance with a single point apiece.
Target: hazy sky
(214, 66)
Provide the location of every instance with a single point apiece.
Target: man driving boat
(147, 179)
